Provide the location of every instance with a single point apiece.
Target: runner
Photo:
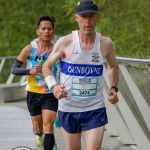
(80, 92)
(41, 102)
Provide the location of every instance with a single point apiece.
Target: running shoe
(39, 142)
(56, 123)
(55, 147)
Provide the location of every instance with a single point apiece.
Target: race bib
(84, 87)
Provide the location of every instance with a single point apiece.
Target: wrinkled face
(87, 22)
(45, 30)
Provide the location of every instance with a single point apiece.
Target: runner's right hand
(59, 91)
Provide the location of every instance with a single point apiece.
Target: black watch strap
(115, 88)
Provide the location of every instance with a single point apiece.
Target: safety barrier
(129, 120)
(10, 91)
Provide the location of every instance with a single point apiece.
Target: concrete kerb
(12, 92)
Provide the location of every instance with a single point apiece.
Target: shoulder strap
(34, 44)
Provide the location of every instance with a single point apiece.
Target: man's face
(45, 30)
(87, 22)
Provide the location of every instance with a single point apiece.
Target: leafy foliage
(126, 22)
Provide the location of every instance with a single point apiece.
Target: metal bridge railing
(129, 120)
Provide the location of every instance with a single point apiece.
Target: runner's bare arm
(56, 54)
(113, 73)
(25, 53)
(112, 64)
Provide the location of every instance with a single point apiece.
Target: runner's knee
(36, 128)
(48, 127)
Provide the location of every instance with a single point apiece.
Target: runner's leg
(93, 138)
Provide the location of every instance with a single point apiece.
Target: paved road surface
(16, 130)
(16, 127)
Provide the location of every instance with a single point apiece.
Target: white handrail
(2, 64)
(135, 60)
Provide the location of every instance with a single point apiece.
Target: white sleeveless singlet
(82, 75)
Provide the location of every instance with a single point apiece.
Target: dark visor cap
(86, 6)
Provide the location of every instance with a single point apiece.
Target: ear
(98, 16)
(37, 31)
(76, 17)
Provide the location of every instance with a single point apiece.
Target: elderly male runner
(80, 92)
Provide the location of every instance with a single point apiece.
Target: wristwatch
(115, 88)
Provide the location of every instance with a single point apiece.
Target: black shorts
(37, 102)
